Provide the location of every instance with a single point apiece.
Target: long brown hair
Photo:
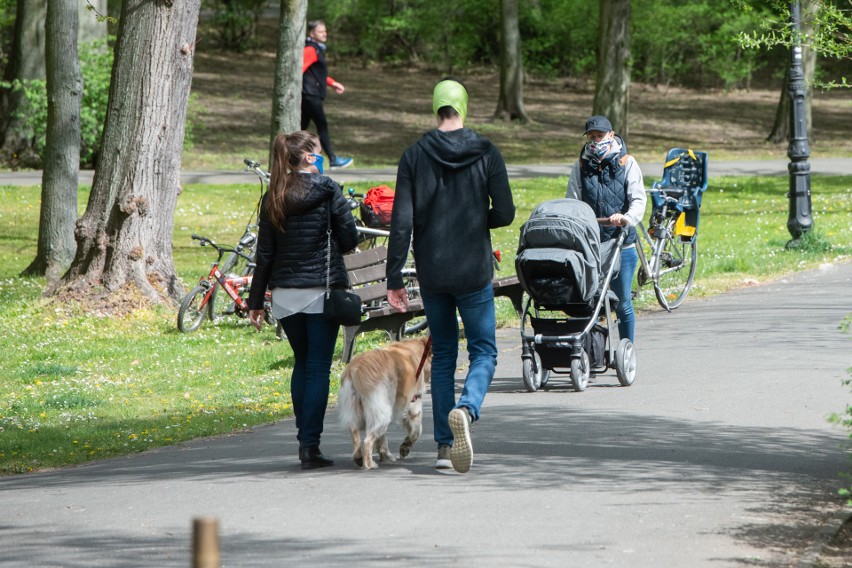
(285, 183)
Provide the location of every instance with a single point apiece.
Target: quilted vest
(605, 190)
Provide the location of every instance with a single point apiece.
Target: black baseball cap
(598, 122)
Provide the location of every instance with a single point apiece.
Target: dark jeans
(477, 313)
(312, 339)
(312, 110)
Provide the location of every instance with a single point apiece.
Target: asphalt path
(651, 171)
(720, 455)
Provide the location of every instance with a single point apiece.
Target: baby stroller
(566, 273)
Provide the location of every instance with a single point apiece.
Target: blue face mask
(319, 161)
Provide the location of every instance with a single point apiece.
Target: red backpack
(377, 206)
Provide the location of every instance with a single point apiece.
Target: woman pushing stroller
(609, 180)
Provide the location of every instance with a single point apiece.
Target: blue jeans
(622, 285)
(477, 313)
(312, 339)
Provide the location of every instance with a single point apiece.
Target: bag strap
(328, 252)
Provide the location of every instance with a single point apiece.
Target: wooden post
(205, 542)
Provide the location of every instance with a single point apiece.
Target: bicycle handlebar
(221, 248)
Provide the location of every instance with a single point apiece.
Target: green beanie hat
(452, 94)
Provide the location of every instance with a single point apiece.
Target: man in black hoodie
(451, 189)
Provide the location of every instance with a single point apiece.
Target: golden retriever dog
(376, 388)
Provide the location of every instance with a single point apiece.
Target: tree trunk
(287, 93)
(56, 243)
(612, 90)
(26, 63)
(781, 127)
(510, 105)
(124, 239)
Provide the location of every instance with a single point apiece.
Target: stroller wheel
(580, 372)
(533, 373)
(625, 362)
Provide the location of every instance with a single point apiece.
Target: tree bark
(124, 239)
(287, 92)
(612, 90)
(58, 213)
(26, 63)
(510, 105)
(781, 127)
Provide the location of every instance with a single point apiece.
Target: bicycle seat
(684, 179)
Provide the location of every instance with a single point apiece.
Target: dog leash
(422, 363)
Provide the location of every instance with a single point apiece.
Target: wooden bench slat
(365, 258)
(372, 292)
(367, 275)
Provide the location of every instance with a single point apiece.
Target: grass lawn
(77, 386)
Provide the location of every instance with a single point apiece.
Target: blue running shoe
(339, 162)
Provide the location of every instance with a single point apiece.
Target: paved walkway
(720, 455)
(651, 171)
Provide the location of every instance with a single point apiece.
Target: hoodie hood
(454, 149)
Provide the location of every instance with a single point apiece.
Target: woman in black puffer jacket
(292, 249)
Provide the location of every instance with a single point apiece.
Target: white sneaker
(443, 461)
(461, 454)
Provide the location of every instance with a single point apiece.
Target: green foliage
(448, 36)
(96, 68)
(552, 42)
(235, 22)
(691, 44)
(7, 24)
(831, 37)
(673, 42)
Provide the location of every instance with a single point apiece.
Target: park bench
(366, 271)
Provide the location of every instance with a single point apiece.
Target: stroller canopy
(559, 253)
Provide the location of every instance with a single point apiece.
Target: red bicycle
(200, 300)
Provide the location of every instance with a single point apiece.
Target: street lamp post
(799, 220)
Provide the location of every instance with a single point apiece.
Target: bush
(235, 22)
(96, 68)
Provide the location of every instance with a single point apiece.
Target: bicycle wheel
(191, 311)
(675, 269)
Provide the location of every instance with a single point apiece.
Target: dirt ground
(386, 109)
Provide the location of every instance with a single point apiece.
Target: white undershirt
(289, 301)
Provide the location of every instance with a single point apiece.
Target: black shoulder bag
(339, 306)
